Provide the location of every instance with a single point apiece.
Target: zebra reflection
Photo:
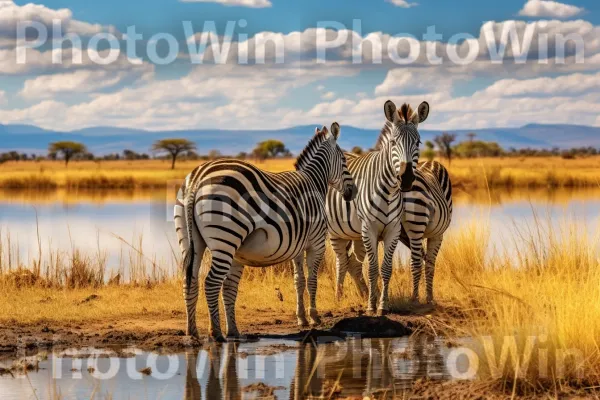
(228, 389)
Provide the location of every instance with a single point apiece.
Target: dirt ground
(167, 332)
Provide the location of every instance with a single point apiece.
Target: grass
(512, 172)
(547, 290)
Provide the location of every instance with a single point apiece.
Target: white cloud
(11, 14)
(80, 81)
(565, 86)
(240, 3)
(402, 3)
(328, 95)
(549, 9)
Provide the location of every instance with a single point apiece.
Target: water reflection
(348, 368)
(353, 368)
(93, 221)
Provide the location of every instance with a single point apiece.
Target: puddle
(271, 369)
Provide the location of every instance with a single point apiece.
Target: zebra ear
(335, 130)
(423, 111)
(390, 110)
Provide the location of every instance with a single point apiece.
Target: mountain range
(104, 140)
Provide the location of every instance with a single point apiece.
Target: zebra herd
(247, 216)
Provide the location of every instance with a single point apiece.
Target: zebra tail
(188, 260)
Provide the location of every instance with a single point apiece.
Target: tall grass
(513, 172)
(547, 287)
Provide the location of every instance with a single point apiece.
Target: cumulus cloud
(549, 9)
(402, 3)
(568, 85)
(11, 14)
(80, 81)
(328, 95)
(240, 3)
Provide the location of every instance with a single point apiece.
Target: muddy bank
(168, 332)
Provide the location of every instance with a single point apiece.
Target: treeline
(182, 149)
(171, 149)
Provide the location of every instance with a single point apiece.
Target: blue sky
(300, 90)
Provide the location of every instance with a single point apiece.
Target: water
(137, 227)
(294, 371)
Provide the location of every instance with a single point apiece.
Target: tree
(444, 142)
(174, 147)
(67, 149)
(214, 154)
(471, 136)
(429, 152)
(357, 150)
(478, 148)
(269, 149)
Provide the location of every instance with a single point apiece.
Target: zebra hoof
(235, 335)
(217, 337)
(302, 322)
(371, 312)
(314, 318)
(382, 312)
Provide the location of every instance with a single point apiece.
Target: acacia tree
(444, 142)
(174, 147)
(429, 151)
(269, 149)
(67, 149)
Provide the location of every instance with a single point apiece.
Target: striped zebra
(381, 175)
(247, 216)
(427, 215)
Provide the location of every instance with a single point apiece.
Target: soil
(167, 332)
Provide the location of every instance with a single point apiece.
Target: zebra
(381, 175)
(427, 215)
(247, 216)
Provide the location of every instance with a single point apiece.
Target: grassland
(538, 172)
(547, 291)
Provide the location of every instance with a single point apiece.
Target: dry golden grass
(536, 172)
(547, 289)
(533, 172)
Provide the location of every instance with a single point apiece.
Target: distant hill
(103, 140)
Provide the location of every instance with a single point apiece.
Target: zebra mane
(405, 114)
(310, 150)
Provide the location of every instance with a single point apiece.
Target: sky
(270, 64)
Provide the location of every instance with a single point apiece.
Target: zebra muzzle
(350, 193)
(408, 178)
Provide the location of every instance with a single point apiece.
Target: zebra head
(404, 140)
(339, 177)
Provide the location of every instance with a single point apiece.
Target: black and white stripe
(376, 214)
(247, 216)
(427, 215)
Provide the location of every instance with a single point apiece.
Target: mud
(167, 331)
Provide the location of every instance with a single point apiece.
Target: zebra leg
(341, 267)
(371, 246)
(221, 265)
(355, 259)
(190, 283)
(300, 282)
(416, 265)
(230, 292)
(433, 247)
(314, 257)
(390, 243)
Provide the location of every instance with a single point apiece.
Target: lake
(349, 368)
(135, 227)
